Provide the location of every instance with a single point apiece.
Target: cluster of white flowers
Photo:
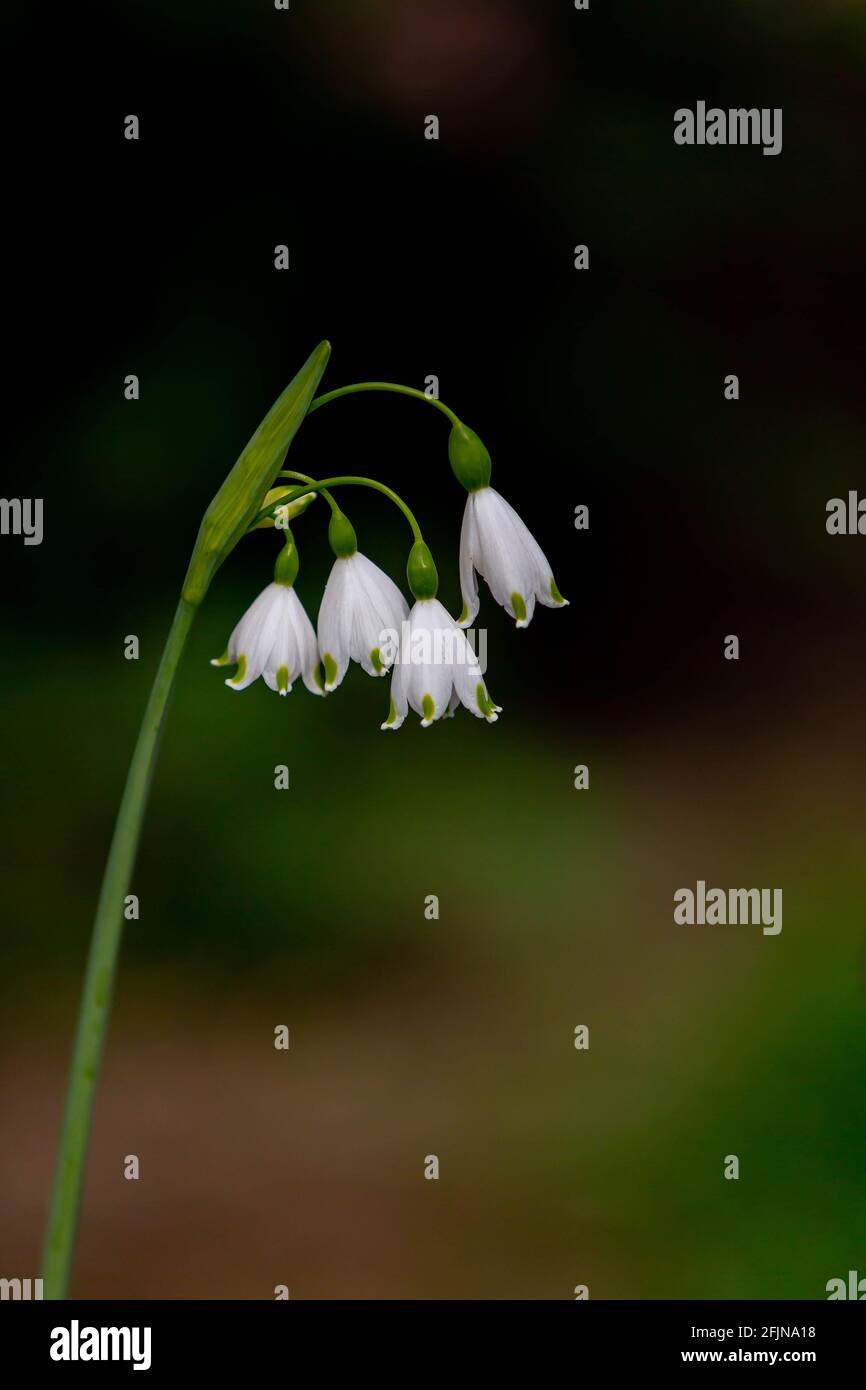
(433, 665)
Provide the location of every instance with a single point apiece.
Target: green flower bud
(341, 534)
(240, 497)
(296, 508)
(469, 459)
(288, 562)
(421, 572)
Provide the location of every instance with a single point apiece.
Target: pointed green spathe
(239, 499)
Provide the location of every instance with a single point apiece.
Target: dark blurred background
(707, 517)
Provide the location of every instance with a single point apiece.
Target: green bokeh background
(455, 1037)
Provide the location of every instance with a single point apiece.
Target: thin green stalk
(223, 524)
(101, 966)
(383, 386)
(344, 480)
(305, 478)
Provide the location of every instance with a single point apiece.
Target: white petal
(251, 642)
(282, 656)
(335, 621)
(468, 557)
(470, 689)
(247, 625)
(399, 688)
(380, 608)
(306, 647)
(367, 626)
(431, 676)
(502, 558)
(537, 575)
(382, 591)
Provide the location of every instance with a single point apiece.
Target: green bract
(240, 497)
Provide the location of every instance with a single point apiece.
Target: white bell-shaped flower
(274, 639)
(359, 606)
(435, 669)
(499, 546)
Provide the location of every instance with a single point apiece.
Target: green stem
(383, 386)
(347, 479)
(305, 478)
(101, 965)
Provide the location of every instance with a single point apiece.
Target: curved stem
(304, 478)
(382, 386)
(101, 965)
(347, 479)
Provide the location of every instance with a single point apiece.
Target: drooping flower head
(435, 667)
(275, 638)
(495, 542)
(359, 604)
